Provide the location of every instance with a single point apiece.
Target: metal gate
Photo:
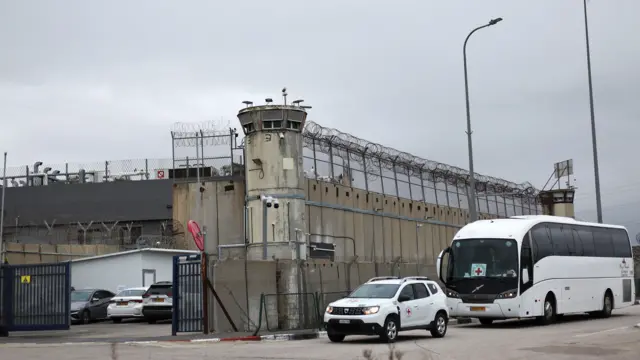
(35, 297)
(187, 297)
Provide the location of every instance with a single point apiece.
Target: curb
(272, 337)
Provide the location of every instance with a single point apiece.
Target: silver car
(88, 305)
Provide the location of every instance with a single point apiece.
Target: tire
(390, 330)
(440, 323)
(117, 320)
(607, 306)
(486, 322)
(85, 317)
(336, 338)
(549, 311)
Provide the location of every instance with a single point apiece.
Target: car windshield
(375, 291)
(131, 292)
(80, 295)
(483, 258)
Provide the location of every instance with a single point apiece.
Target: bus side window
(621, 246)
(602, 241)
(577, 241)
(542, 244)
(562, 240)
(585, 237)
(526, 264)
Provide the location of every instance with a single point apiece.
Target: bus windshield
(483, 258)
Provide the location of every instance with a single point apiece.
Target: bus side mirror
(439, 263)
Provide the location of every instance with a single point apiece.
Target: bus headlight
(370, 310)
(452, 294)
(329, 309)
(508, 294)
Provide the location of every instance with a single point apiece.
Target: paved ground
(574, 338)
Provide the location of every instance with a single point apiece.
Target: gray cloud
(81, 81)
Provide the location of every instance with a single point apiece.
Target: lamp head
(495, 21)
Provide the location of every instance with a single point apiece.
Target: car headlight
(329, 309)
(452, 294)
(370, 310)
(508, 294)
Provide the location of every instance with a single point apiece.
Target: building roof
(152, 250)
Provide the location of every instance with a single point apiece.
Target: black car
(88, 305)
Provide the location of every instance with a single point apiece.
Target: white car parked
(386, 305)
(126, 304)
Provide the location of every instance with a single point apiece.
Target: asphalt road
(576, 337)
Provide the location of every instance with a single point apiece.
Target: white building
(134, 268)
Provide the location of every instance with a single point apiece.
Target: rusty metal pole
(205, 289)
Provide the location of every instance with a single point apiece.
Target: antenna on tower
(248, 103)
(284, 95)
(297, 102)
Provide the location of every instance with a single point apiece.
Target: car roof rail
(422, 278)
(380, 278)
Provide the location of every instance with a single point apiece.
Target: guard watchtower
(274, 174)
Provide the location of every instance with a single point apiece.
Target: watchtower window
(248, 128)
(295, 125)
(272, 124)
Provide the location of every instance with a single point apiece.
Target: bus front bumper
(499, 309)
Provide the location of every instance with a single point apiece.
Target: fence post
(259, 326)
(176, 298)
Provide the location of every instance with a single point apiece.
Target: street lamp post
(596, 169)
(472, 182)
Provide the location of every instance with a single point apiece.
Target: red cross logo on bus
(478, 271)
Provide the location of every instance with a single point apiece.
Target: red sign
(409, 311)
(160, 174)
(198, 237)
(478, 271)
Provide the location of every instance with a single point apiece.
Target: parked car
(387, 305)
(88, 305)
(157, 303)
(126, 304)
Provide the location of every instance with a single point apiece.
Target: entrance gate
(35, 297)
(187, 294)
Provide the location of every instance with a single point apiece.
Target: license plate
(345, 321)
(158, 300)
(122, 303)
(478, 308)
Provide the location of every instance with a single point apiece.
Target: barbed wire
(206, 133)
(371, 155)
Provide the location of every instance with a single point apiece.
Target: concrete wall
(218, 206)
(383, 228)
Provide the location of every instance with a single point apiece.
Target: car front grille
(347, 311)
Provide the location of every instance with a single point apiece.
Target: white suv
(386, 305)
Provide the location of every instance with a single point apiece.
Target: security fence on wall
(328, 154)
(334, 156)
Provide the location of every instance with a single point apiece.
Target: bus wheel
(549, 311)
(607, 305)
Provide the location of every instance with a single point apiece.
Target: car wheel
(439, 325)
(86, 317)
(117, 320)
(335, 337)
(390, 330)
(486, 322)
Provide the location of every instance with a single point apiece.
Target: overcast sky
(89, 81)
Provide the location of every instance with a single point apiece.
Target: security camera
(268, 200)
(276, 204)
(281, 135)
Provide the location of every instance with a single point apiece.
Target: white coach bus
(537, 267)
